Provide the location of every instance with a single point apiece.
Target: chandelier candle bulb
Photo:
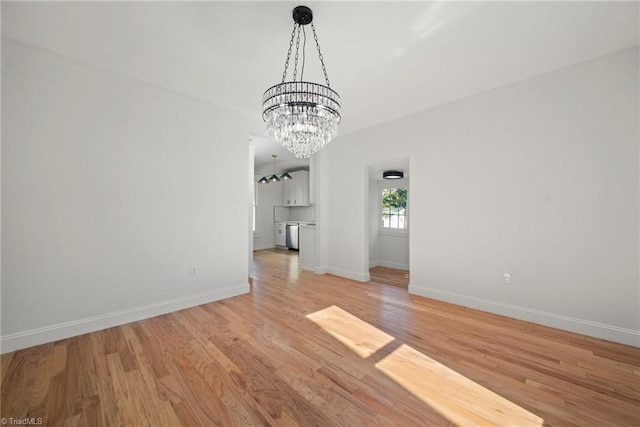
(302, 116)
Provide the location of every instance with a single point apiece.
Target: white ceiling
(386, 59)
(265, 148)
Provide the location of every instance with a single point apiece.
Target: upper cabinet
(295, 192)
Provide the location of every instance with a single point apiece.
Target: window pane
(394, 208)
(385, 221)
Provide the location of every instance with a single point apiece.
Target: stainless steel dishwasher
(292, 236)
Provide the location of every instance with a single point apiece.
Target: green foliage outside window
(394, 208)
(394, 198)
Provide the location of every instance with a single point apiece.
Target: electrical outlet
(506, 279)
(193, 270)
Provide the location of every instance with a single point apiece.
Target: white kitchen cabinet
(288, 191)
(281, 234)
(295, 192)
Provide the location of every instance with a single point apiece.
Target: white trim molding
(360, 277)
(321, 270)
(580, 326)
(262, 246)
(64, 330)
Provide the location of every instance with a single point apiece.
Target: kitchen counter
(297, 222)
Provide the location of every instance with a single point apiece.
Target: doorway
(389, 224)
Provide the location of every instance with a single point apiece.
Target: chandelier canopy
(302, 116)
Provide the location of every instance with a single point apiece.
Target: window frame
(399, 184)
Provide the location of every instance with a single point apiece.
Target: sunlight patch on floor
(453, 395)
(459, 399)
(359, 336)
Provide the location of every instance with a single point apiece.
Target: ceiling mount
(302, 15)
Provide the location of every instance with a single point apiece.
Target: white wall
(269, 195)
(111, 190)
(538, 179)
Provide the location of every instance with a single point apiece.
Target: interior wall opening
(389, 223)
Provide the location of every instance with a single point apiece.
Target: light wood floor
(309, 350)
(390, 276)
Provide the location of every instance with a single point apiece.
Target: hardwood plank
(5, 360)
(109, 409)
(39, 385)
(14, 385)
(185, 415)
(165, 415)
(57, 394)
(121, 393)
(390, 276)
(92, 412)
(73, 396)
(317, 350)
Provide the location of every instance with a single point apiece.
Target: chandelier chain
(304, 48)
(286, 63)
(324, 70)
(295, 65)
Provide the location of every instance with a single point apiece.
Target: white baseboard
(321, 270)
(60, 331)
(349, 274)
(584, 327)
(261, 246)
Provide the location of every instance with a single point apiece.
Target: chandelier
(302, 116)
